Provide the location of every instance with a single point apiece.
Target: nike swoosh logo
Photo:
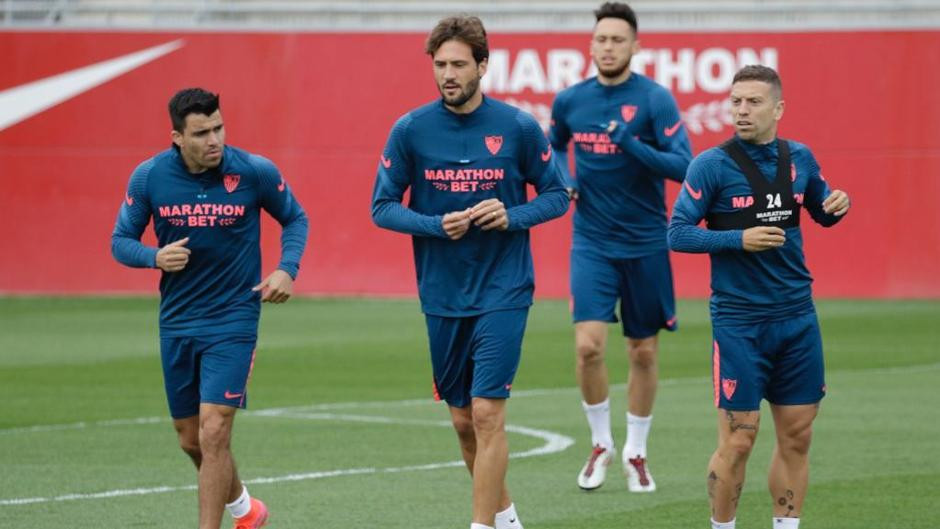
(282, 185)
(24, 101)
(670, 131)
(233, 395)
(697, 195)
(547, 155)
(386, 162)
(129, 199)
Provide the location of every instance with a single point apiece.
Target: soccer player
(628, 138)
(766, 342)
(206, 199)
(467, 159)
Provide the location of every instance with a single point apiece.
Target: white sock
(598, 417)
(638, 429)
(240, 506)
(508, 519)
(479, 526)
(786, 523)
(723, 525)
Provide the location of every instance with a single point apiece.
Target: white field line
(553, 443)
(40, 428)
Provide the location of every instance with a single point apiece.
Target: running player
(628, 138)
(205, 199)
(467, 160)
(766, 341)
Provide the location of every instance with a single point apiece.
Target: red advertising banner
(78, 111)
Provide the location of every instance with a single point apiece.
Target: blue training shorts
(643, 285)
(212, 369)
(781, 361)
(475, 356)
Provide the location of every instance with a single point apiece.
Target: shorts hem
(503, 396)
(643, 335)
(223, 403)
(797, 403)
(455, 405)
(612, 319)
(720, 407)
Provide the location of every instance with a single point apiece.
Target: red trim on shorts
(437, 396)
(716, 369)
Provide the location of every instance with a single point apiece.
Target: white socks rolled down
(638, 429)
(241, 506)
(508, 519)
(723, 525)
(598, 417)
(786, 523)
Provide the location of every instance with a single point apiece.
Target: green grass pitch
(341, 432)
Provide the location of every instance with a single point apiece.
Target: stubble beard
(612, 73)
(465, 94)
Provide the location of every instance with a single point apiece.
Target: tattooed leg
(789, 465)
(737, 431)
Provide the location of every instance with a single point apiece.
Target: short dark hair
(616, 10)
(191, 101)
(759, 72)
(464, 28)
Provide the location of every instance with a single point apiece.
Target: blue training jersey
(749, 286)
(451, 162)
(621, 210)
(220, 211)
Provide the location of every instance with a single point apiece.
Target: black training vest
(774, 204)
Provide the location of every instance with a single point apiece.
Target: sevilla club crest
(728, 386)
(628, 112)
(493, 143)
(231, 182)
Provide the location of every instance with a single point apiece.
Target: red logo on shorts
(231, 182)
(728, 386)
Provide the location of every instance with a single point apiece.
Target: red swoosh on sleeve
(670, 131)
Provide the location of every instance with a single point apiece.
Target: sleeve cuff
(290, 268)
(438, 222)
(152, 258)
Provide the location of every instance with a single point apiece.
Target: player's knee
(642, 355)
(463, 425)
(487, 420)
(214, 433)
(738, 445)
(589, 351)
(796, 440)
(192, 449)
